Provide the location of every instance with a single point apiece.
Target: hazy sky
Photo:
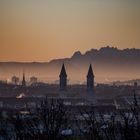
(40, 30)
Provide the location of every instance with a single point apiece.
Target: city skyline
(44, 30)
(69, 69)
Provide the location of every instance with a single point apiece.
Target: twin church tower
(63, 80)
(90, 79)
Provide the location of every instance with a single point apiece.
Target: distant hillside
(109, 64)
(106, 55)
(128, 82)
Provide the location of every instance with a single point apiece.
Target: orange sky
(40, 30)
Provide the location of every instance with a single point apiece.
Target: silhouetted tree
(53, 116)
(90, 128)
(122, 125)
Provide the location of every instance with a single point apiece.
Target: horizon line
(43, 61)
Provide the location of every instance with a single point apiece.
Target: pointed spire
(63, 71)
(90, 71)
(63, 78)
(90, 80)
(23, 80)
(23, 76)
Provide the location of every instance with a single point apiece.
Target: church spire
(63, 71)
(90, 72)
(63, 78)
(23, 80)
(90, 79)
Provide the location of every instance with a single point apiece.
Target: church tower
(90, 80)
(63, 79)
(23, 80)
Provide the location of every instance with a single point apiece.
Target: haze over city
(69, 69)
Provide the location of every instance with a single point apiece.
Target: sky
(41, 30)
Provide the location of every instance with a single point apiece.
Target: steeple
(90, 72)
(90, 79)
(23, 80)
(63, 71)
(63, 78)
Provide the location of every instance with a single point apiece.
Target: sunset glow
(41, 30)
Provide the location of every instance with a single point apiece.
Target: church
(71, 94)
(90, 80)
(85, 93)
